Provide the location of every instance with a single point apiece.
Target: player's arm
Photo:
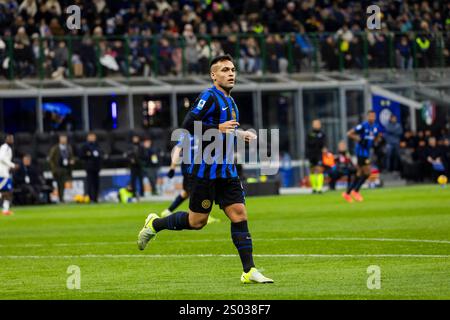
(4, 159)
(378, 137)
(175, 157)
(202, 106)
(175, 161)
(353, 133)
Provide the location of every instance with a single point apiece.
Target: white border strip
(34, 245)
(127, 256)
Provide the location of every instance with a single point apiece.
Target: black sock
(178, 200)
(243, 242)
(361, 181)
(177, 221)
(351, 186)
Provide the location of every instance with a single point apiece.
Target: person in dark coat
(92, 156)
(135, 155)
(30, 186)
(315, 142)
(151, 163)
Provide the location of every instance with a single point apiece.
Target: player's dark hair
(371, 111)
(7, 136)
(224, 57)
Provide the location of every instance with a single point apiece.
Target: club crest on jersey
(201, 104)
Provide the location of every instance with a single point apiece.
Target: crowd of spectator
(272, 33)
(140, 155)
(424, 155)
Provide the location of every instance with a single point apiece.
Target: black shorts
(187, 182)
(363, 161)
(223, 192)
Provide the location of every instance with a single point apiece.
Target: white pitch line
(127, 256)
(33, 245)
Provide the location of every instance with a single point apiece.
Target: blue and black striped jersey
(212, 108)
(368, 133)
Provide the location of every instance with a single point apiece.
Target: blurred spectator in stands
(134, 156)
(330, 54)
(61, 159)
(354, 57)
(146, 57)
(427, 135)
(379, 153)
(204, 54)
(393, 133)
(29, 184)
(92, 156)
(420, 156)
(344, 166)
(4, 61)
(435, 159)
(423, 45)
(151, 163)
(306, 47)
(60, 60)
(191, 54)
(404, 53)
(272, 54)
(411, 139)
(28, 8)
(53, 7)
(55, 28)
(165, 64)
(88, 56)
(249, 60)
(23, 54)
(216, 48)
(168, 18)
(409, 167)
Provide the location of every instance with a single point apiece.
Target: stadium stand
(179, 37)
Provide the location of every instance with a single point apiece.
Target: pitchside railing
(256, 53)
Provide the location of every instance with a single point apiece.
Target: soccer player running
(217, 182)
(6, 165)
(315, 142)
(365, 134)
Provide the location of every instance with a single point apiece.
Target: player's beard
(227, 87)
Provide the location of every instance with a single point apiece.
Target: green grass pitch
(313, 246)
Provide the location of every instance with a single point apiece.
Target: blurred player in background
(176, 158)
(6, 165)
(365, 134)
(187, 179)
(315, 142)
(344, 167)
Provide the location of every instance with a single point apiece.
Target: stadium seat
(44, 141)
(24, 144)
(120, 144)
